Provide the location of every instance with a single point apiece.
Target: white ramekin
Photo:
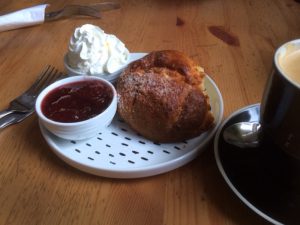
(112, 77)
(77, 130)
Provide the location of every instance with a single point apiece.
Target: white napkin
(23, 18)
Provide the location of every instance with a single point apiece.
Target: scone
(162, 97)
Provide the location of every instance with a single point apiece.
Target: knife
(37, 15)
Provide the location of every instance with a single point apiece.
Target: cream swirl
(92, 51)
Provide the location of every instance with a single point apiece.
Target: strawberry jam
(77, 101)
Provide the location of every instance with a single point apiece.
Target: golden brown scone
(161, 96)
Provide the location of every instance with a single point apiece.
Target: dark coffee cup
(280, 107)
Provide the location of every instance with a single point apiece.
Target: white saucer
(119, 152)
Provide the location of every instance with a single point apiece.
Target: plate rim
(149, 170)
(222, 170)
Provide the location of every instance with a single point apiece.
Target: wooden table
(233, 40)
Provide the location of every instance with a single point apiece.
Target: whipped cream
(92, 51)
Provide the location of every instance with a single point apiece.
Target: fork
(13, 119)
(36, 14)
(25, 102)
(70, 10)
(92, 10)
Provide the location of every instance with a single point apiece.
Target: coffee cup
(280, 106)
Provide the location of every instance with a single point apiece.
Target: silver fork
(13, 119)
(25, 102)
(92, 10)
(70, 10)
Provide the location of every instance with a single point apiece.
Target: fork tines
(47, 76)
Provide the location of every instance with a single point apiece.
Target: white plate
(119, 152)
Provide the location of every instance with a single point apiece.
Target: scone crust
(161, 96)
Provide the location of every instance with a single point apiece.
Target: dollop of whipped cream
(92, 51)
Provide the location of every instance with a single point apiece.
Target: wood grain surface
(233, 40)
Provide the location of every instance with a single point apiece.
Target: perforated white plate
(119, 152)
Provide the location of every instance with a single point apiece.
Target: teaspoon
(243, 134)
